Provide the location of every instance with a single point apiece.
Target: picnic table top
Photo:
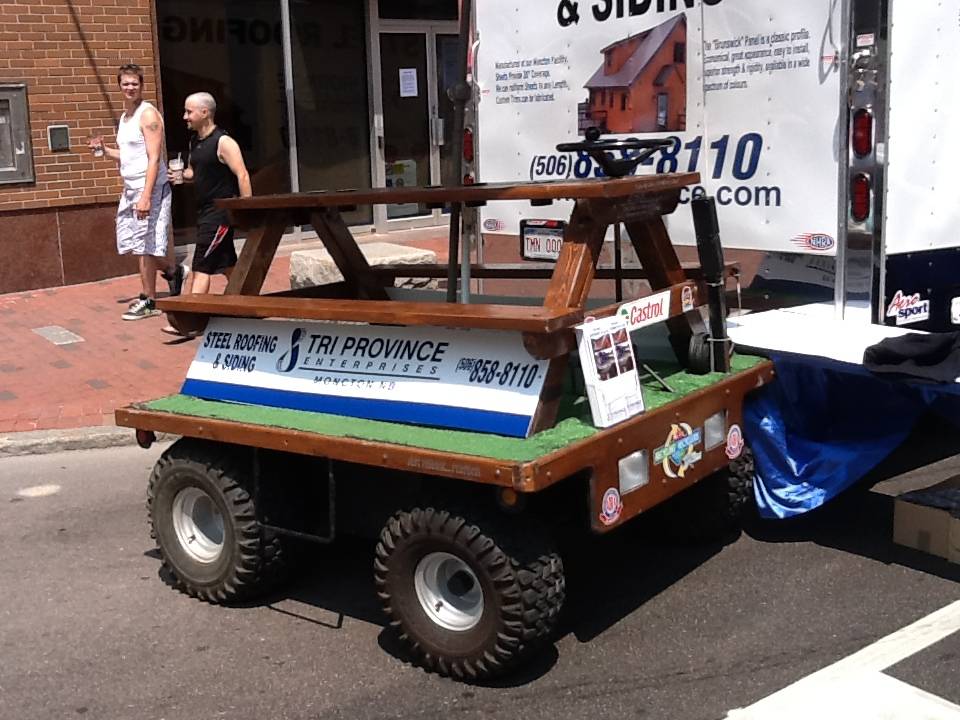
(601, 188)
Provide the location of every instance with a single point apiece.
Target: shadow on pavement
(616, 564)
(338, 579)
(333, 583)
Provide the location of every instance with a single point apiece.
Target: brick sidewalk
(47, 386)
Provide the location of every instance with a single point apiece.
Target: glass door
(407, 119)
(415, 140)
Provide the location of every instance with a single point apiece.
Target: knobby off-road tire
(716, 506)
(202, 517)
(699, 354)
(499, 585)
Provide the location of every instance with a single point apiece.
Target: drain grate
(58, 335)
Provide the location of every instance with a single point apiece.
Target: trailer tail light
(860, 197)
(467, 145)
(862, 133)
(146, 438)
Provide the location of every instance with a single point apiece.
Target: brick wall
(68, 51)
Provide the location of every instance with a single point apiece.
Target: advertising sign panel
(747, 90)
(481, 380)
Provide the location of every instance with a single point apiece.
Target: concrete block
(309, 268)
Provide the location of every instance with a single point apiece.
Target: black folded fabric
(945, 498)
(930, 357)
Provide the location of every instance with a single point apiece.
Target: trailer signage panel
(748, 93)
(469, 379)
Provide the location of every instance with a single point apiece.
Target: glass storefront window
(234, 50)
(330, 97)
(231, 49)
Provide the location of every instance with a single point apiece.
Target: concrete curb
(42, 442)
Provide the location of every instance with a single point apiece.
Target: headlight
(715, 430)
(634, 471)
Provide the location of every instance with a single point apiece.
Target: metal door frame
(429, 29)
(864, 85)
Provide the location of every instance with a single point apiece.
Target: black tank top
(212, 179)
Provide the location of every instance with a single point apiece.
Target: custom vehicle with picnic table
(460, 435)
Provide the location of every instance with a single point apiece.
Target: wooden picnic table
(639, 202)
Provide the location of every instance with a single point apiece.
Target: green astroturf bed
(574, 423)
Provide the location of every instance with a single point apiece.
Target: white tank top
(133, 150)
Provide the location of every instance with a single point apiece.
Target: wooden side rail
(558, 344)
(385, 312)
(527, 271)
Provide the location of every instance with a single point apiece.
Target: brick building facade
(58, 228)
(309, 89)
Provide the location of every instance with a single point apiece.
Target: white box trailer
(820, 128)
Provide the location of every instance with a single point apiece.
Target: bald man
(215, 166)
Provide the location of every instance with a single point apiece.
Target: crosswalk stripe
(855, 687)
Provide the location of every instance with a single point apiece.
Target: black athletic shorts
(215, 251)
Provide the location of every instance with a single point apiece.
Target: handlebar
(598, 149)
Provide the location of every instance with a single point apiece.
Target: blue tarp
(823, 425)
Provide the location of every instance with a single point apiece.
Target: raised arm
(97, 142)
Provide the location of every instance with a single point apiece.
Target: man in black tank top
(215, 165)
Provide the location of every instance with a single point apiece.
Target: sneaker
(175, 283)
(170, 330)
(138, 300)
(143, 308)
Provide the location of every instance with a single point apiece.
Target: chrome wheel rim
(198, 524)
(449, 591)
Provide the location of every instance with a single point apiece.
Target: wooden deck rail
(524, 318)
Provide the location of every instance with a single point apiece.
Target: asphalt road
(88, 629)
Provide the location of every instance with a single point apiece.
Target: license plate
(541, 239)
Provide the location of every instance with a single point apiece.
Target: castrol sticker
(646, 311)
(908, 309)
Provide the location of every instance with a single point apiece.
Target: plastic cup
(176, 168)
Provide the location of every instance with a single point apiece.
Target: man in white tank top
(143, 215)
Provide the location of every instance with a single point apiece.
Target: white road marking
(855, 687)
(38, 491)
